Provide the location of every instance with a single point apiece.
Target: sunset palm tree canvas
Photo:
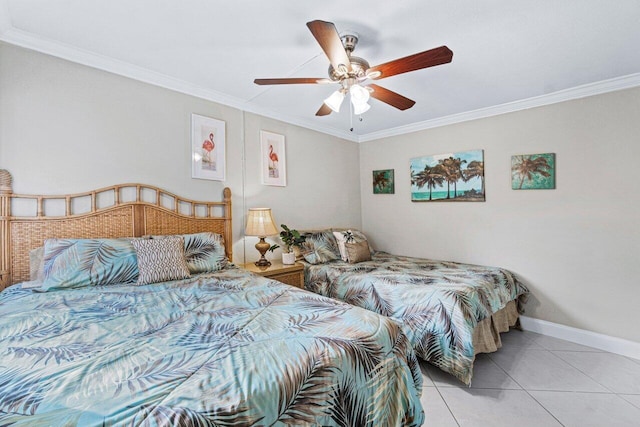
(454, 177)
(533, 171)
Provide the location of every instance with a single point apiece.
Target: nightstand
(290, 274)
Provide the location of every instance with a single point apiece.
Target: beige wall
(68, 128)
(576, 247)
(323, 183)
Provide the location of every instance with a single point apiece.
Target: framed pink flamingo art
(273, 165)
(207, 148)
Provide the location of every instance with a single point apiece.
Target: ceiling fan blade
(324, 110)
(291, 81)
(329, 40)
(429, 58)
(391, 98)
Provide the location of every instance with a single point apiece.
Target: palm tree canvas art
(453, 177)
(383, 182)
(533, 171)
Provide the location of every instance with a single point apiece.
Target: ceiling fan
(352, 72)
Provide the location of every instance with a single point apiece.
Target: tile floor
(536, 380)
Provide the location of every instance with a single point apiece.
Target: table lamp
(260, 224)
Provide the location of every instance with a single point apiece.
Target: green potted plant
(290, 238)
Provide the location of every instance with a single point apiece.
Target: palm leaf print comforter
(215, 350)
(437, 303)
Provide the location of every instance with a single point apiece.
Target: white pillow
(342, 241)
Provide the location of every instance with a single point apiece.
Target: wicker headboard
(126, 210)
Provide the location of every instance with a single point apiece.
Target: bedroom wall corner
(66, 128)
(576, 246)
(323, 181)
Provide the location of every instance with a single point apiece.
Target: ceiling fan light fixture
(334, 101)
(359, 98)
(359, 95)
(360, 108)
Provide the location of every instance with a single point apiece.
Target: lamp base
(262, 247)
(263, 262)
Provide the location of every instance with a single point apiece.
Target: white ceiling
(508, 54)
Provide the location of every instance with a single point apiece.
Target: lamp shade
(335, 100)
(260, 223)
(360, 108)
(359, 95)
(359, 98)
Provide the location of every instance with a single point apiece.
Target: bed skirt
(486, 335)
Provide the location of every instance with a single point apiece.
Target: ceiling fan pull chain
(351, 115)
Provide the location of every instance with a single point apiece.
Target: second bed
(449, 311)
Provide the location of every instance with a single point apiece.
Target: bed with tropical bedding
(127, 311)
(101, 339)
(449, 311)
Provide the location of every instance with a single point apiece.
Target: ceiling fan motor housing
(359, 67)
(349, 41)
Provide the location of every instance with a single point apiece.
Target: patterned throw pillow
(325, 247)
(358, 252)
(160, 260)
(36, 264)
(74, 263)
(204, 252)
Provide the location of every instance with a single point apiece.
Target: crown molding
(73, 54)
(27, 40)
(597, 88)
(114, 66)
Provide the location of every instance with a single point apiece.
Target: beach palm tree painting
(533, 171)
(453, 177)
(383, 182)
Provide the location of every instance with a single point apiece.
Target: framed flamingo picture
(207, 148)
(273, 165)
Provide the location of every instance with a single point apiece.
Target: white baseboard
(580, 336)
